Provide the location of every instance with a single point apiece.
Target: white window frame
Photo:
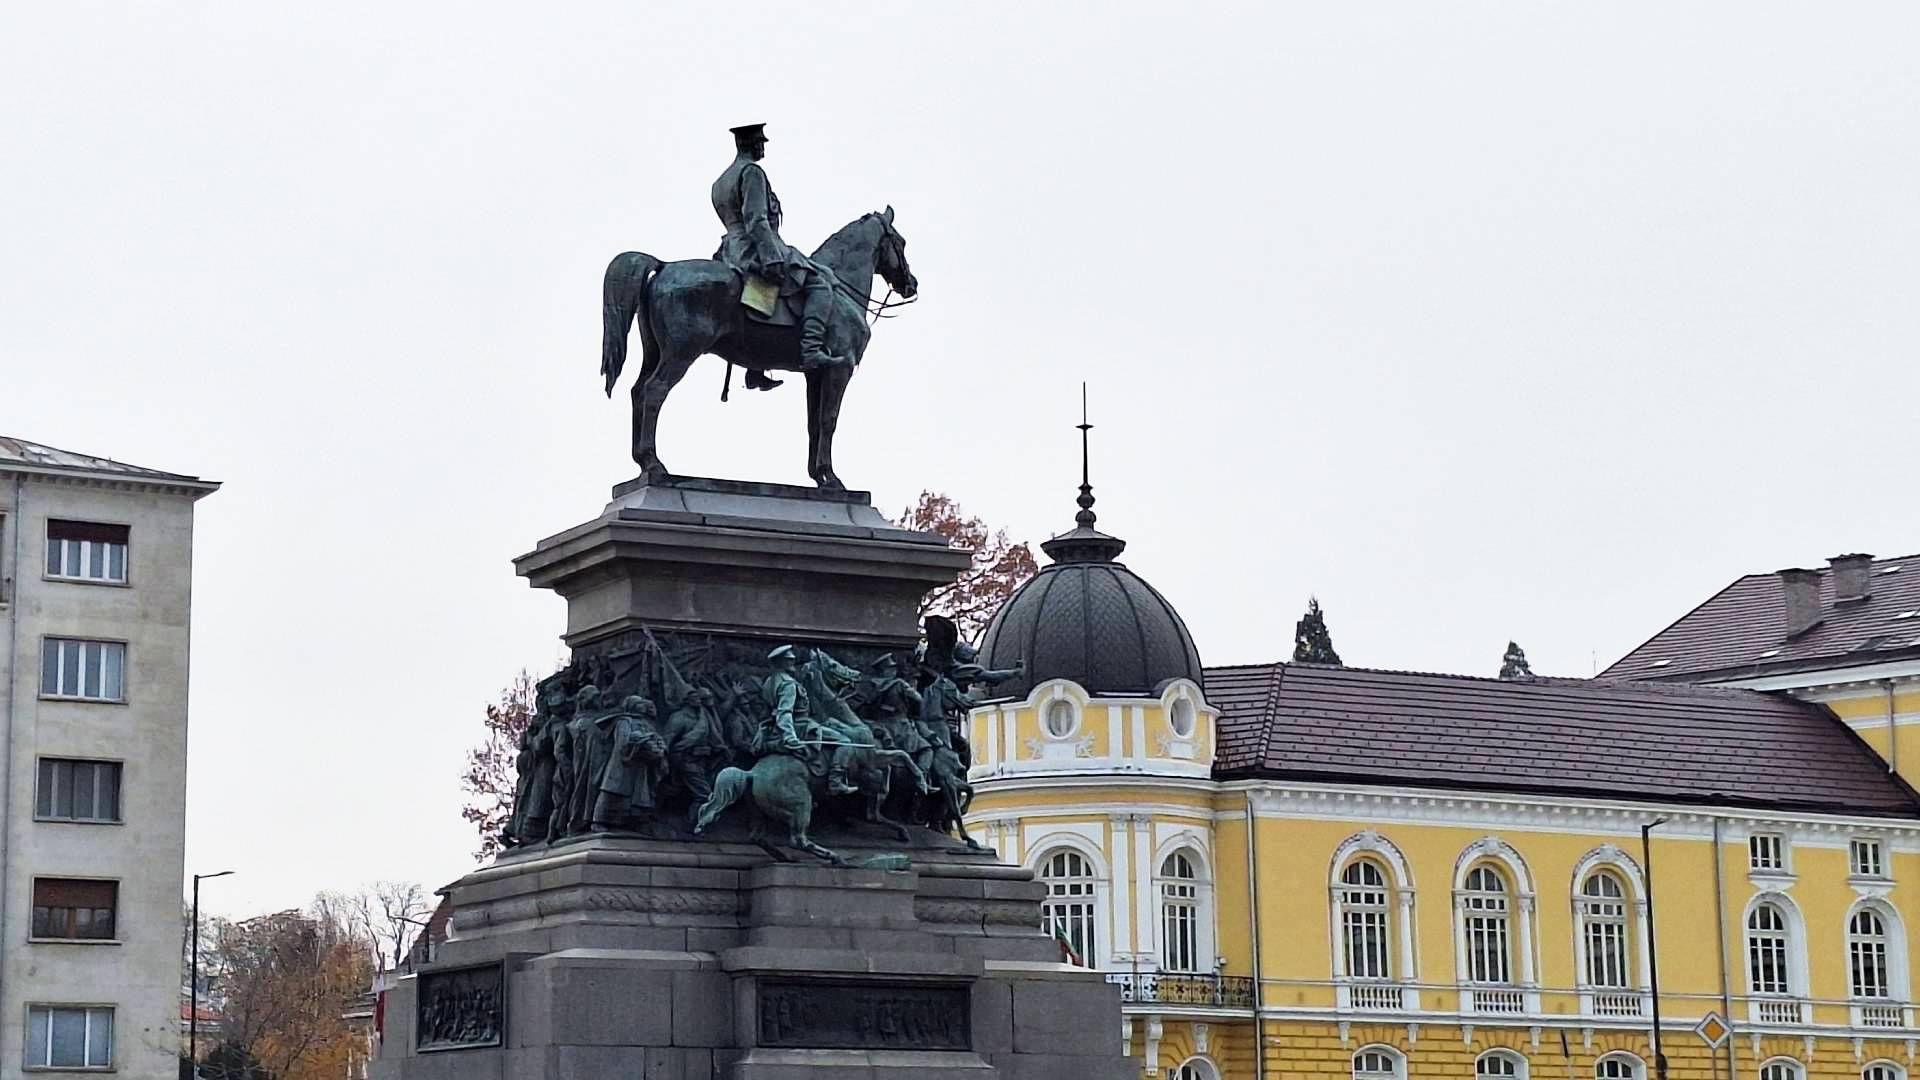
(1782, 1068)
(1073, 712)
(1513, 1057)
(1883, 1070)
(81, 552)
(1099, 898)
(1197, 1067)
(1152, 907)
(1180, 902)
(1769, 854)
(1398, 991)
(1890, 1010)
(1366, 907)
(46, 1051)
(1793, 952)
(60, 668)
(1867, 858)
(1497, 998)
(120, 789)
(1636, 1069)
(1396, 1061)
(1612, 1001)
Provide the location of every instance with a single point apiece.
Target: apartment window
(1767, 853)
(1376, 1063)
(1617, 1067)
(1068, 910)
(1767, 949)
(1881, 1070)
(1363, 920)
(1179, 914)
(1867, 954)
(78, 791)
(86, 551)
(74, 909)
(1484, 908)
(89, 670)
(1867, 860)
(1603, 917)
(1780, 1069)
(1500, 1065)
(69, 1037)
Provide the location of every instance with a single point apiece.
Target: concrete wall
(139, 972)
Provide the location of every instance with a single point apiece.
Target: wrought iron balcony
(1211, 991)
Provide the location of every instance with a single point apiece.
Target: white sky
(1478, 320)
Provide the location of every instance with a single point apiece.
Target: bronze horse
(691, 308)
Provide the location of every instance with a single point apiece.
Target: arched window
(1867, 954)
(1767, 970)
(1181, 718)
(1500, 1065)
(1068, 910)
(1617, 1067)
(1781, 1069)
(1195, 1068)
(1376, 1063)
(1061, 718)
(1179, 914)
(1603, 920)
(1485, 907)
(1363, 920)
(1883, 1070)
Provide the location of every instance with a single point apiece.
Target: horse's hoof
(829, 482)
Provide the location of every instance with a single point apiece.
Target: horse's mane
(846, 235)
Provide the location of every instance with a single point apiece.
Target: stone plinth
(663, 960)
(756, 560)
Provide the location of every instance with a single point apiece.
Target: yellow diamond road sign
(1712, 1030)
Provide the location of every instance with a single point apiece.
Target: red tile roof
(1652, 742)
(1740, 632)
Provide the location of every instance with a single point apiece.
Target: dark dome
(1088, 618)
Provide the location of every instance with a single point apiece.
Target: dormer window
(1181, 718)
(1061, 718)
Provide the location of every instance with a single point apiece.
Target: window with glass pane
(1767, 950)
(1498, 1064)
(1363, 920)
(1880, 1070)
(1067, 911)
(1617, 1068)
(69, 1037)
(91, 670)
(87, 550)
(1603, 914)
(1867, 953)
(75, 909)
(1179, 914)
(78, 791)
(1866, 859)
(1484, 909)
(1375, 1065)
(1779, 1070)
(1766, 851)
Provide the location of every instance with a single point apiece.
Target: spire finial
(1085, 518)
(1084, 543)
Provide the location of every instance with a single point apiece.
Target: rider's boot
(813, 332)
(837, 777)
(759, 380)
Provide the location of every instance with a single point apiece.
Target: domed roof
(1088, 618)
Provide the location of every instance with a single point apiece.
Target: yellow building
(1303, 870)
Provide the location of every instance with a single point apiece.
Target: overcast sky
(1479, 321)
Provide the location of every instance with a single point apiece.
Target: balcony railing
(1882, 1016)
(1214, 991)
(1376, 996)
(1778, 1011)
(1619, 1005)
(1499, 1001)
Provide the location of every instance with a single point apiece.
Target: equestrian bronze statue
(758, 303)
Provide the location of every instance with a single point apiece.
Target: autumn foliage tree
(491, 767)
(287, 980)
(999, 565)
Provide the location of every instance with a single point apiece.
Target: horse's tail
(629, 279)
(728, 787)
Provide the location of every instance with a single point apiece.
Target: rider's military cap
(749, 131)
(886, 660)
(783, 652)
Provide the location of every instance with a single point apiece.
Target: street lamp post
(193, 977)
(1653, 953)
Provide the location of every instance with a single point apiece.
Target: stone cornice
(187, 486)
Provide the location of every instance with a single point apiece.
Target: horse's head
(890, 257)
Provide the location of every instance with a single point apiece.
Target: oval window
(1182, 718)
(1060, 719)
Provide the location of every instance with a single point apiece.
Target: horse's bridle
(877, 311)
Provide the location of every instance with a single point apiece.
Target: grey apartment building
(96, 574)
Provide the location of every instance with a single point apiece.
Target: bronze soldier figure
(696, 749)
(792, 728)
(637, 755)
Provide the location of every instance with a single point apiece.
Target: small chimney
(1852, 577)
(1801, 589)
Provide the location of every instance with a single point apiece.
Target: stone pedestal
(665, 960)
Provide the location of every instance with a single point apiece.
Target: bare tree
(387, 914)
(492, 766)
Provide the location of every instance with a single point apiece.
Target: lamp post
(1653, 953)
(193, 977)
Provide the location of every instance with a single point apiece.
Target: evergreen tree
(1311, 642)
(1514, 664)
